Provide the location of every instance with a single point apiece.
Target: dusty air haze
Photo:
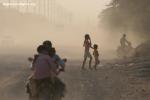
(124, 70)
(25, 33)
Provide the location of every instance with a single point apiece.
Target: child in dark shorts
(96, 56)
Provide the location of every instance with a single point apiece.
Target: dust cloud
(22, 29)
(23, 32)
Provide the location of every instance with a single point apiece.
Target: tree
(127, 15)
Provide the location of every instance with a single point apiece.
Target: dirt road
(112, 81)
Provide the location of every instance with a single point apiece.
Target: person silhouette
(96, 56)
(123, 41)
(87, 45)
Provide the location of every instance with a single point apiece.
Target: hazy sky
(88, 9)
(85, 14)
(85, 20)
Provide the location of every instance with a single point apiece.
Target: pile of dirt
(143, 49)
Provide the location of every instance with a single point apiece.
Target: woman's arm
(84, 44)
(90, 42)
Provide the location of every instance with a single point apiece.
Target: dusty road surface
(114, 80)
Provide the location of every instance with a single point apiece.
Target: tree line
(127, 15)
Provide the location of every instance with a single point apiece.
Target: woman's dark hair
(41, 48)
(87, 36)
(49, 48)
(53, 50)
(47, 43)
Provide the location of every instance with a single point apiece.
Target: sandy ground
(114, 80)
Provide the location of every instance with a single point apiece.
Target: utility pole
(18, 5)
(27, 2)
(48, 8)
(43, 7)
(35, 2)
(39, 7)
(9, 3)
(51, 11)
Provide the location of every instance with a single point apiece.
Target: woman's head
(42, 49)
(87, 36)
(47, 43)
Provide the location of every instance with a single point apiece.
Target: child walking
(96, 56)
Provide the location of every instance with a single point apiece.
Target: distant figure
(126, 49)
(124, 42)
(96, 56)
(87, 54)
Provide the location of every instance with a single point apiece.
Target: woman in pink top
(43, 74)
(87, 54)
(44, 83)
(43, 66)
